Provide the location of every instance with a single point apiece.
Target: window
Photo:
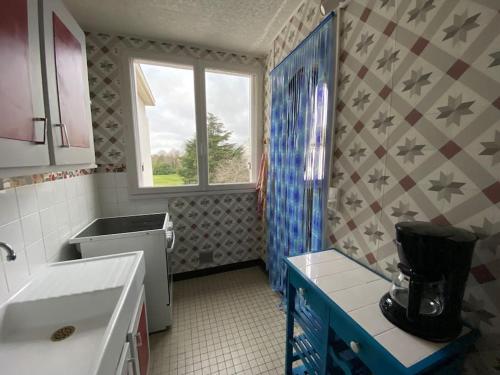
(228, 127)
(194, 125)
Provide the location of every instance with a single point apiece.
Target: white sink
(86, 304)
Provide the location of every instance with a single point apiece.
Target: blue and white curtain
(300, 149)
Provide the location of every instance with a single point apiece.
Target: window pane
(228, 123)
(166, 123)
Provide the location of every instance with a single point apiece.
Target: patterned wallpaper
(418, 136)
(104, 62)
(305, 19)
(215, 230)
(211, 230)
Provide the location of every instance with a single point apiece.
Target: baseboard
(224, 268)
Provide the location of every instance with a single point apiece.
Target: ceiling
(247, 26)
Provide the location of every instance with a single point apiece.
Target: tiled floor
(228, 323)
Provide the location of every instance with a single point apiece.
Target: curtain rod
(325, 20)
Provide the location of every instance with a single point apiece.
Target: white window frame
(199, 66)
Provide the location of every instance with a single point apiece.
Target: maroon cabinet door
(143, 342)
(16, 110)
(70, 86)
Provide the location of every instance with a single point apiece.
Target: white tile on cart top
(301, 261)
(344, 280)
(329, 268)
(361, 295)
(407, 349)
(371, 319)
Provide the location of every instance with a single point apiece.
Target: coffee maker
(425, 298)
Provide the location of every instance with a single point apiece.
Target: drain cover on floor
(62, 333)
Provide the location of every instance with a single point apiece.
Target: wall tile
(122, 194)
(106, 180)
(70, 185)
(108, 194)
(215, 230)
(52, 245)
(62, 214)
(36, 256)
(121, 180)
(32, 229)
(45, 194)
(109, 209)
(4, 289)
(48, 220)
(441, 140)
(41, 233)
(8, 203)
(60, 190)
(17, 271)
(26, 199)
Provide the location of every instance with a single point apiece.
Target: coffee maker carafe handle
(414, 296)
(415, 289)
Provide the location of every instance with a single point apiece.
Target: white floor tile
(228, 323)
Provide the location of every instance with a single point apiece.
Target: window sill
(159, 192)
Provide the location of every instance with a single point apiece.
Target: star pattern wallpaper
(417, 136)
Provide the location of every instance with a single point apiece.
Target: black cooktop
(125, 224)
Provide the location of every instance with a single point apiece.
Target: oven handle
(171, 248)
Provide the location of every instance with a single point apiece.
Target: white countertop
(357, 291)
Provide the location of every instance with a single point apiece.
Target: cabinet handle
(131, 365)
(38, 119)
(355, 347)
(64, 135)
(138, 339)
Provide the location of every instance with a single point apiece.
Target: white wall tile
(26, 200)
(32, 229)
(59, 191)
(108, 195)
(48, 219)
(122, 194)
(109, 209)
(38, 220)
(36, 256)
(92, 201)
(88, 184)
(17, 271)
(127, 208)
(106, 180)
(51, 243)
(83, 211)
(4, 289)
(8, 206)
(71, 188)
(151, 206)
(80, 185)
(62, 214)
(121, 179)
(45, 194)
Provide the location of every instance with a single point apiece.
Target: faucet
(11, 254)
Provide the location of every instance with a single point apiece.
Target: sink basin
(70, 328)
(28, 327)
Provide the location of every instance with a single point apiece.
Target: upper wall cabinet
(23, 123)
(44, 95)
(67, 91)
